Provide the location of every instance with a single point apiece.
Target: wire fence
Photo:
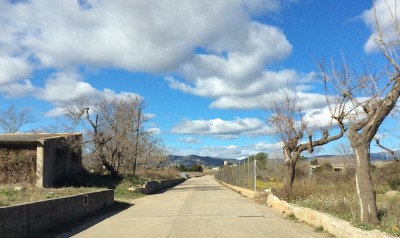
(245, 173)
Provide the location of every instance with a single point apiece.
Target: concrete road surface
(199, 207)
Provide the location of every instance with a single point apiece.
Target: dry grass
(334, 193)
(9, 195)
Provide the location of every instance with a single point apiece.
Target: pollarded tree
(372, 97)
(289, 126)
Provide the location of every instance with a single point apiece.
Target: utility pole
(137, 141)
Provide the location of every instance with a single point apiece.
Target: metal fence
(244, 173)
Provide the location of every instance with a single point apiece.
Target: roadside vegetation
(117, 151)
(13, 194)
(334, 193)
(124, 188)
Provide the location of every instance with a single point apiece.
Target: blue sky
(205, 69)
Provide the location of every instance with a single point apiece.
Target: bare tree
(112, 129)
(345, 151)
(372, 97)
(289, 126)
(12, 119)
(152, 152)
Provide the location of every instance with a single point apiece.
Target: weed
(365, 227)
(319, 229)
(292, 217)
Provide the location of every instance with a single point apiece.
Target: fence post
(255, 174)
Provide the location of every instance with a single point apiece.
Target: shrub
(394, 184)
(17, 166)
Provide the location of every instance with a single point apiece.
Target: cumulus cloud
(254, 93)
(220, 128)
(154, 130)
(385, 11)
(63, 87)
(215, 46)
(13, 69)
(18, 89)
(130, 35)
(190, 140)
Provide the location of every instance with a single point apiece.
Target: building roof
(31, 138)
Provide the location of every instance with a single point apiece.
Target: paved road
(199, 207)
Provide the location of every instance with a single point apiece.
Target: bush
(17, 166)
(387, 175)
(394, 184)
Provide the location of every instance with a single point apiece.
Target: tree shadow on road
(68, 229)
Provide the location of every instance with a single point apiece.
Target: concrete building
(55, 159)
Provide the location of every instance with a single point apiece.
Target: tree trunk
(110, 168)
(365, 188)
(290, 174)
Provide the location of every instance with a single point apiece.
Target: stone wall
(32, 218)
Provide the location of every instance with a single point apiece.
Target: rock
(133, 189)
(392, 193)
(18, 188)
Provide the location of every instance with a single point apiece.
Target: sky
(207, 70)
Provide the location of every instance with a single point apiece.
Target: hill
(190, 160)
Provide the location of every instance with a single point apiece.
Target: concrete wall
(331, 224)
(156, 186)
(245, 192)
(339, 228)
(57, 162)
(33, 218)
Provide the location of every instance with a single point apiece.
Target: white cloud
(18, 89)
(62, 87)
(240, 72)
(13, 69)
(254, 93)
(55, 112)
(385, 11)
(154, 130)
(264, 100)
(220, 128)
(150, 115)
(213, 44)
(190, 140)
(137, 36)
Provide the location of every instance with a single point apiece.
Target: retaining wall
(245, 192)
(152, 187)
(331, 224)
(32, 218)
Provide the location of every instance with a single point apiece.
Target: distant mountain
(190, 160)
(381, 156)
